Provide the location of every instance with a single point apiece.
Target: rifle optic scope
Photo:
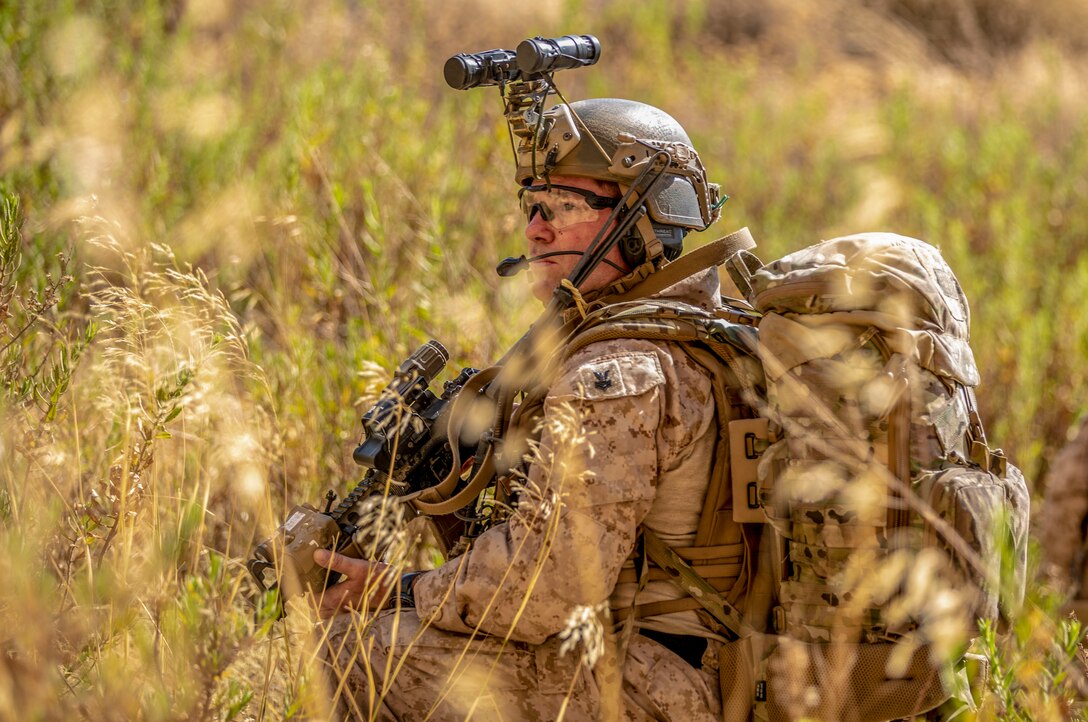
(533, 58)
(427, 361)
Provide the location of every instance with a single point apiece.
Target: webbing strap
(811, 592)
(437, 500)
(653, 609)
(711, 255)
(898, 438)
(675, 330)
(701, 591)
(978, 450)
(722, 574)
(718, 551)
(467, 495)
(813, 554)
(803, 620)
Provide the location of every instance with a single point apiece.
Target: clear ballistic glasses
(562, 206)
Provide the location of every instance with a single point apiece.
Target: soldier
(627, 442)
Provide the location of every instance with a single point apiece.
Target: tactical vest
(723, 343)
(720, 342)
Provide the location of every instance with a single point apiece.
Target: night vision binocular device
(533, 59)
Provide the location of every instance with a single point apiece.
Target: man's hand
(367, 584)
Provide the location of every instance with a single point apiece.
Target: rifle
(405, 448)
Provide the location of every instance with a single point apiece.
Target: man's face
(545, 237)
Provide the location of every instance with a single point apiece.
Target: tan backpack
(887, 511)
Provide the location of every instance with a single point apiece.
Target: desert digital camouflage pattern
(628, 438)
(884, 499)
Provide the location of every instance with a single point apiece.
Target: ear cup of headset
(633, 249)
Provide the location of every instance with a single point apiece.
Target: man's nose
(538, 229)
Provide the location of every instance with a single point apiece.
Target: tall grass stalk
(220, 221)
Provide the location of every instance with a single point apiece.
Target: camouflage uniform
(483, 638)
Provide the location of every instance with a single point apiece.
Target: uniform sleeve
(590, 486)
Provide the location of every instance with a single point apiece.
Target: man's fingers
(337, 596)
(366, 582)
(359, 593)
(339, 562)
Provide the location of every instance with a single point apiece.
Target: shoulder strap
(711, 255)
(441, 499)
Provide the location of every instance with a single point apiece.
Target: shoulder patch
(630, 373)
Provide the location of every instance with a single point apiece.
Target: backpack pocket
(981, 520)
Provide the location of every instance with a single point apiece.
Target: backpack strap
(978, 448)
(711, 255)
(898, 434)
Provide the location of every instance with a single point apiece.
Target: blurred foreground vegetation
(223, 219)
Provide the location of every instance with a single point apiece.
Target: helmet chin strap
(512, 266)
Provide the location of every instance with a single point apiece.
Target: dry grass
(233, 215)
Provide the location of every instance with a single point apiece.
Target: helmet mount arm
(538, 95)
(538, 108)
(524, 110)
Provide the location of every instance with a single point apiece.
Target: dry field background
(222, 219)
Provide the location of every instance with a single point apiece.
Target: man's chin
(542, 291)
(542, 284)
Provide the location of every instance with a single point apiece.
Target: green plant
(1039, 669)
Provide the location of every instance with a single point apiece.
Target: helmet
(610, 139)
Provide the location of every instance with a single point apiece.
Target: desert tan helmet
(610, 139)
